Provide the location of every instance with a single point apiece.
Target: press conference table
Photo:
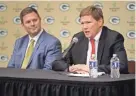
(19, 82)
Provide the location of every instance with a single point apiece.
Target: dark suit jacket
(110, 42)
(47, 49)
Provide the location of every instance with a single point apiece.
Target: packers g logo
(131, 6)
(131, 34)
(98, 5)
(64, 33)
(3, 32)
(64, 7)
(3, 7)
(114, 20)
(49, 20)
(35, 6)
(3, 58)
(78, 20)
(17, 20)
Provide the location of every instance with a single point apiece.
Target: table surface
(52, 75)
(36, 82)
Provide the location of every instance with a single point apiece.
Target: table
(36, 82)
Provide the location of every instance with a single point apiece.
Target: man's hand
(79, 68)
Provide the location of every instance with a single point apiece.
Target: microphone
(74, 40)
(61, 65)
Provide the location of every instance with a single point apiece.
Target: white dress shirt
(34, 38)
(96, 38)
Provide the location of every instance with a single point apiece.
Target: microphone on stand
(61, 65)
(74, 40)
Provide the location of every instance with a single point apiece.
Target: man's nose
(85, 26)
(32, 23)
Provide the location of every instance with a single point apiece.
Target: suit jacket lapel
(24, 47)
(85, 48)
(81, 49)
(41, 38)
(101, 44)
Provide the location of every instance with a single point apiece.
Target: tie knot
(92, 40)
(32, 40)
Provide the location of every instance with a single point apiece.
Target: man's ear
(22, 24)
(100, 22)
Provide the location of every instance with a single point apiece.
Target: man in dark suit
(107, 42)
(37, 49)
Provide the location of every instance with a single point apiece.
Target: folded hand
(79, 68)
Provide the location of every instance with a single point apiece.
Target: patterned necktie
(28, 54)
(93, 47)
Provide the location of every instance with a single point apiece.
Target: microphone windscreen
(75, 40)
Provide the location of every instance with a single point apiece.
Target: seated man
(36, 50)
(94, 39)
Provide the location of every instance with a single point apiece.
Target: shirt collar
(37, 36)
(97, 37)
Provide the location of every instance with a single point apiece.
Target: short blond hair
(94, 11)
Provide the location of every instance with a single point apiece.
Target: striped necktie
(28, 54)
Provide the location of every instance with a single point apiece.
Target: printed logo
(65, 21)
(114, 7)
(92, 64)
(35, 6)
(78, 20)
(131, 49)
(115, 65)
(131, 6)
(131, 21)
(17, 34)
(80, 7)
(48, 8)
(64, 33)
(3, 7)
(17, 20)
(3, 58)
(131, 34)
(49, 20)
(3, 46)
(114, 20)
(64, 7)
(98, 4)
(17, 8)
(3, 32)
(3, 21)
